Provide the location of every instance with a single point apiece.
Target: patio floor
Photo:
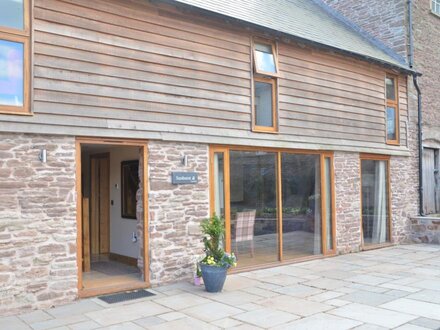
(391, 288)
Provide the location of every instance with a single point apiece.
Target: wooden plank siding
(137, 70)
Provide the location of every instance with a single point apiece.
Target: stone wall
(404, 179)
(425, 230)
(176, 210)
(426, 57)
(404, 199)
(38, 265)
(384, 20)
(348, 201)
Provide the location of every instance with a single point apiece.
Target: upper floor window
(265, 87)
(14, 56)
(435, 6)
(392, 110)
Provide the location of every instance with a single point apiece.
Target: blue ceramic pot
(213, 277)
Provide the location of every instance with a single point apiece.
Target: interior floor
(296, 245)
(105, 272)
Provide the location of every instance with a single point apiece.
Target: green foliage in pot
(213, 230)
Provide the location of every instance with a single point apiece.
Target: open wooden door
(100, 204)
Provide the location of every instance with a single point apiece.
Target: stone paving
(391, 288)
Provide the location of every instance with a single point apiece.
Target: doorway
(112, 242)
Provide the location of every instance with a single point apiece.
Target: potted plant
(216, 262)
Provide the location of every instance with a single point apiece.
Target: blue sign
(184, 177)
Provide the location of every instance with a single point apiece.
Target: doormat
(125, 296)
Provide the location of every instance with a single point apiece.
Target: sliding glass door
(375, 201)
(301, 196)
(277, 205)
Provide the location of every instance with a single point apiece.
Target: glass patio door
(277, 205)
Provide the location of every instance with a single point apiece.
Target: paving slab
(320, 321)
(296, 306)
(126, 313)
(187, 323)
(181, 301)
(266, 317)
(414, 307)
(212, 311)
(427, 323)
(368, 298)
(373, 315)
(13, 322)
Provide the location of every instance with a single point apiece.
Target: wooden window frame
(268, 129)
(393, 104)
(434, 10)
(387, 159)
(274, 53)
(225, 149)
(21, 36)
(266, 77)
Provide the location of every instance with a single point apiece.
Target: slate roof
(309, 20)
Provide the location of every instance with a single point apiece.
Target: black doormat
(125, 296)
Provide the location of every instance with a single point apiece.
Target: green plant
(213, 230)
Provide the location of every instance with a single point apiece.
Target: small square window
(265, 62)
(391, 88)
(12, 14)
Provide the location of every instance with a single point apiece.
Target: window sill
(12, 111)
(264, 130)
(435, 14)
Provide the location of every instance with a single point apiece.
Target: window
(375, 200)
(265, 85)
(14, 56)
(392, 110)
(435, 7)
(278, 205)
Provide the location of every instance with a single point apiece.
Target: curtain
(379, 234)
(317, 236)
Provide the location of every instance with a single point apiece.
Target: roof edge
(403, 67)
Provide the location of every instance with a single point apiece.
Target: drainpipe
(419, 107)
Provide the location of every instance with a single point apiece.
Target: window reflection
(11, 14)
(253, 207)
(11, 73)
(265, 59)
(301, 185)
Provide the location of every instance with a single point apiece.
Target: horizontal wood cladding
(137, 70)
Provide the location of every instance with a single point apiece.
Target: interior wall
(121, 229)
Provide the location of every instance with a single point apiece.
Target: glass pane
(264, 58)
(391, 89)
(328, 204)
(11, 73)
(301, 205)
(219, 191)
(374, 202)
(263, 104)
(391, 123)
(11, 14)
(253, 207)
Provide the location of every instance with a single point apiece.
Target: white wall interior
(121, 229)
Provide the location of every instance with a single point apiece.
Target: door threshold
(92, 292)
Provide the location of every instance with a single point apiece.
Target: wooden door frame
(143, 145)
